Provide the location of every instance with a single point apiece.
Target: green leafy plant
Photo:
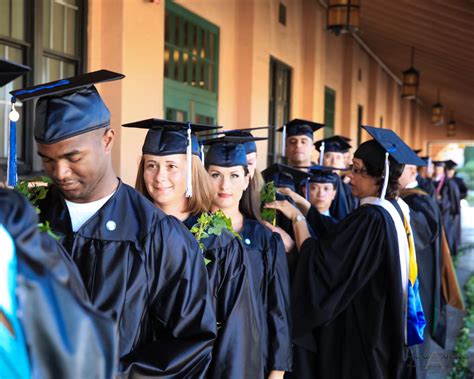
(211, 223)
(267, 195)
(34, 190)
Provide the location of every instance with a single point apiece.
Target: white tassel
(189, 162)
(386, 174)
(283, 142)
(321, 153)
(201, 146)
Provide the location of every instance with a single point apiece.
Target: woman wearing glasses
(351, 313)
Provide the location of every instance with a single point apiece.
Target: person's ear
(108, 139)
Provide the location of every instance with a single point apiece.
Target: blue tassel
(307, 188)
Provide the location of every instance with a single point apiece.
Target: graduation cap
(285, 176)
(298, 127)
(323, 174)
(335, 144)
(417, 151)
(439, 163)
(9, 71)
(68, 107)
(250, 146)
(166, 137)
(386, 143)
(450, 164)
(227, 151)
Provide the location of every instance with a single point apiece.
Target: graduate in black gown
(449, 200)
(162, 178)
(458, 194)
(297, 143)
(451, 174)
(137, 264)
(47, 321)
(226, 162)
(332, 151)
(352, 285)
(424, 177)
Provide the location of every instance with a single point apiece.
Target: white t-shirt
(81, 212)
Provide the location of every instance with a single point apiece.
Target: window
(279, 106)
(48, 36)
(282, 14)
(329, 111)
(190, 65)
(360, 118)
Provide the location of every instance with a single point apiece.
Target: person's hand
(285, 207)
(299, 200)
(287, 240)
(276, 374)
(292, 194)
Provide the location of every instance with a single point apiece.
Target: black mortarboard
(323, 174)
(386, 145)
(439, 163)
(166, 137)
(284, 176)
(386, 141)
(298, 127)
(450, 164)
(332, 144)
(227, 151)
(9, 71)
(68, 107)
(250, 146)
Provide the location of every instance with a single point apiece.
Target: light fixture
(437, 112)
(343, 16)
(411, 79)
(451, 127)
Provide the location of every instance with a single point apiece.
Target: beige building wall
(128, 36)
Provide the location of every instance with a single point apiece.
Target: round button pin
(247, 241)
(111, 225)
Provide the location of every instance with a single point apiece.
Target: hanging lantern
(451, 127)
(343, 16)
(411, 79)
(437, 112)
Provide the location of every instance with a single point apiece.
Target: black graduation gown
(427, 185)
(65, 336)
(236, 351)
(149, 272)
(347, 301)
(341, 205)
(426, 223)
(449, 204)
(462, 186)
(270, 277)
(352, 201)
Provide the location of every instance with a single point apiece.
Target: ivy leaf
(267, 195)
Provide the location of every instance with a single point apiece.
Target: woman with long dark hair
(356, 304)
(226, 163)
(163, 177)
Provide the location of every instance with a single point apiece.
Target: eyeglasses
(359, 171)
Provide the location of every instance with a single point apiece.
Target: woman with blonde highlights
(163, 179)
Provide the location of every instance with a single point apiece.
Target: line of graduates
(369, 264)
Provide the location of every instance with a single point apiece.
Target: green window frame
(329, 111)
(191, 66)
